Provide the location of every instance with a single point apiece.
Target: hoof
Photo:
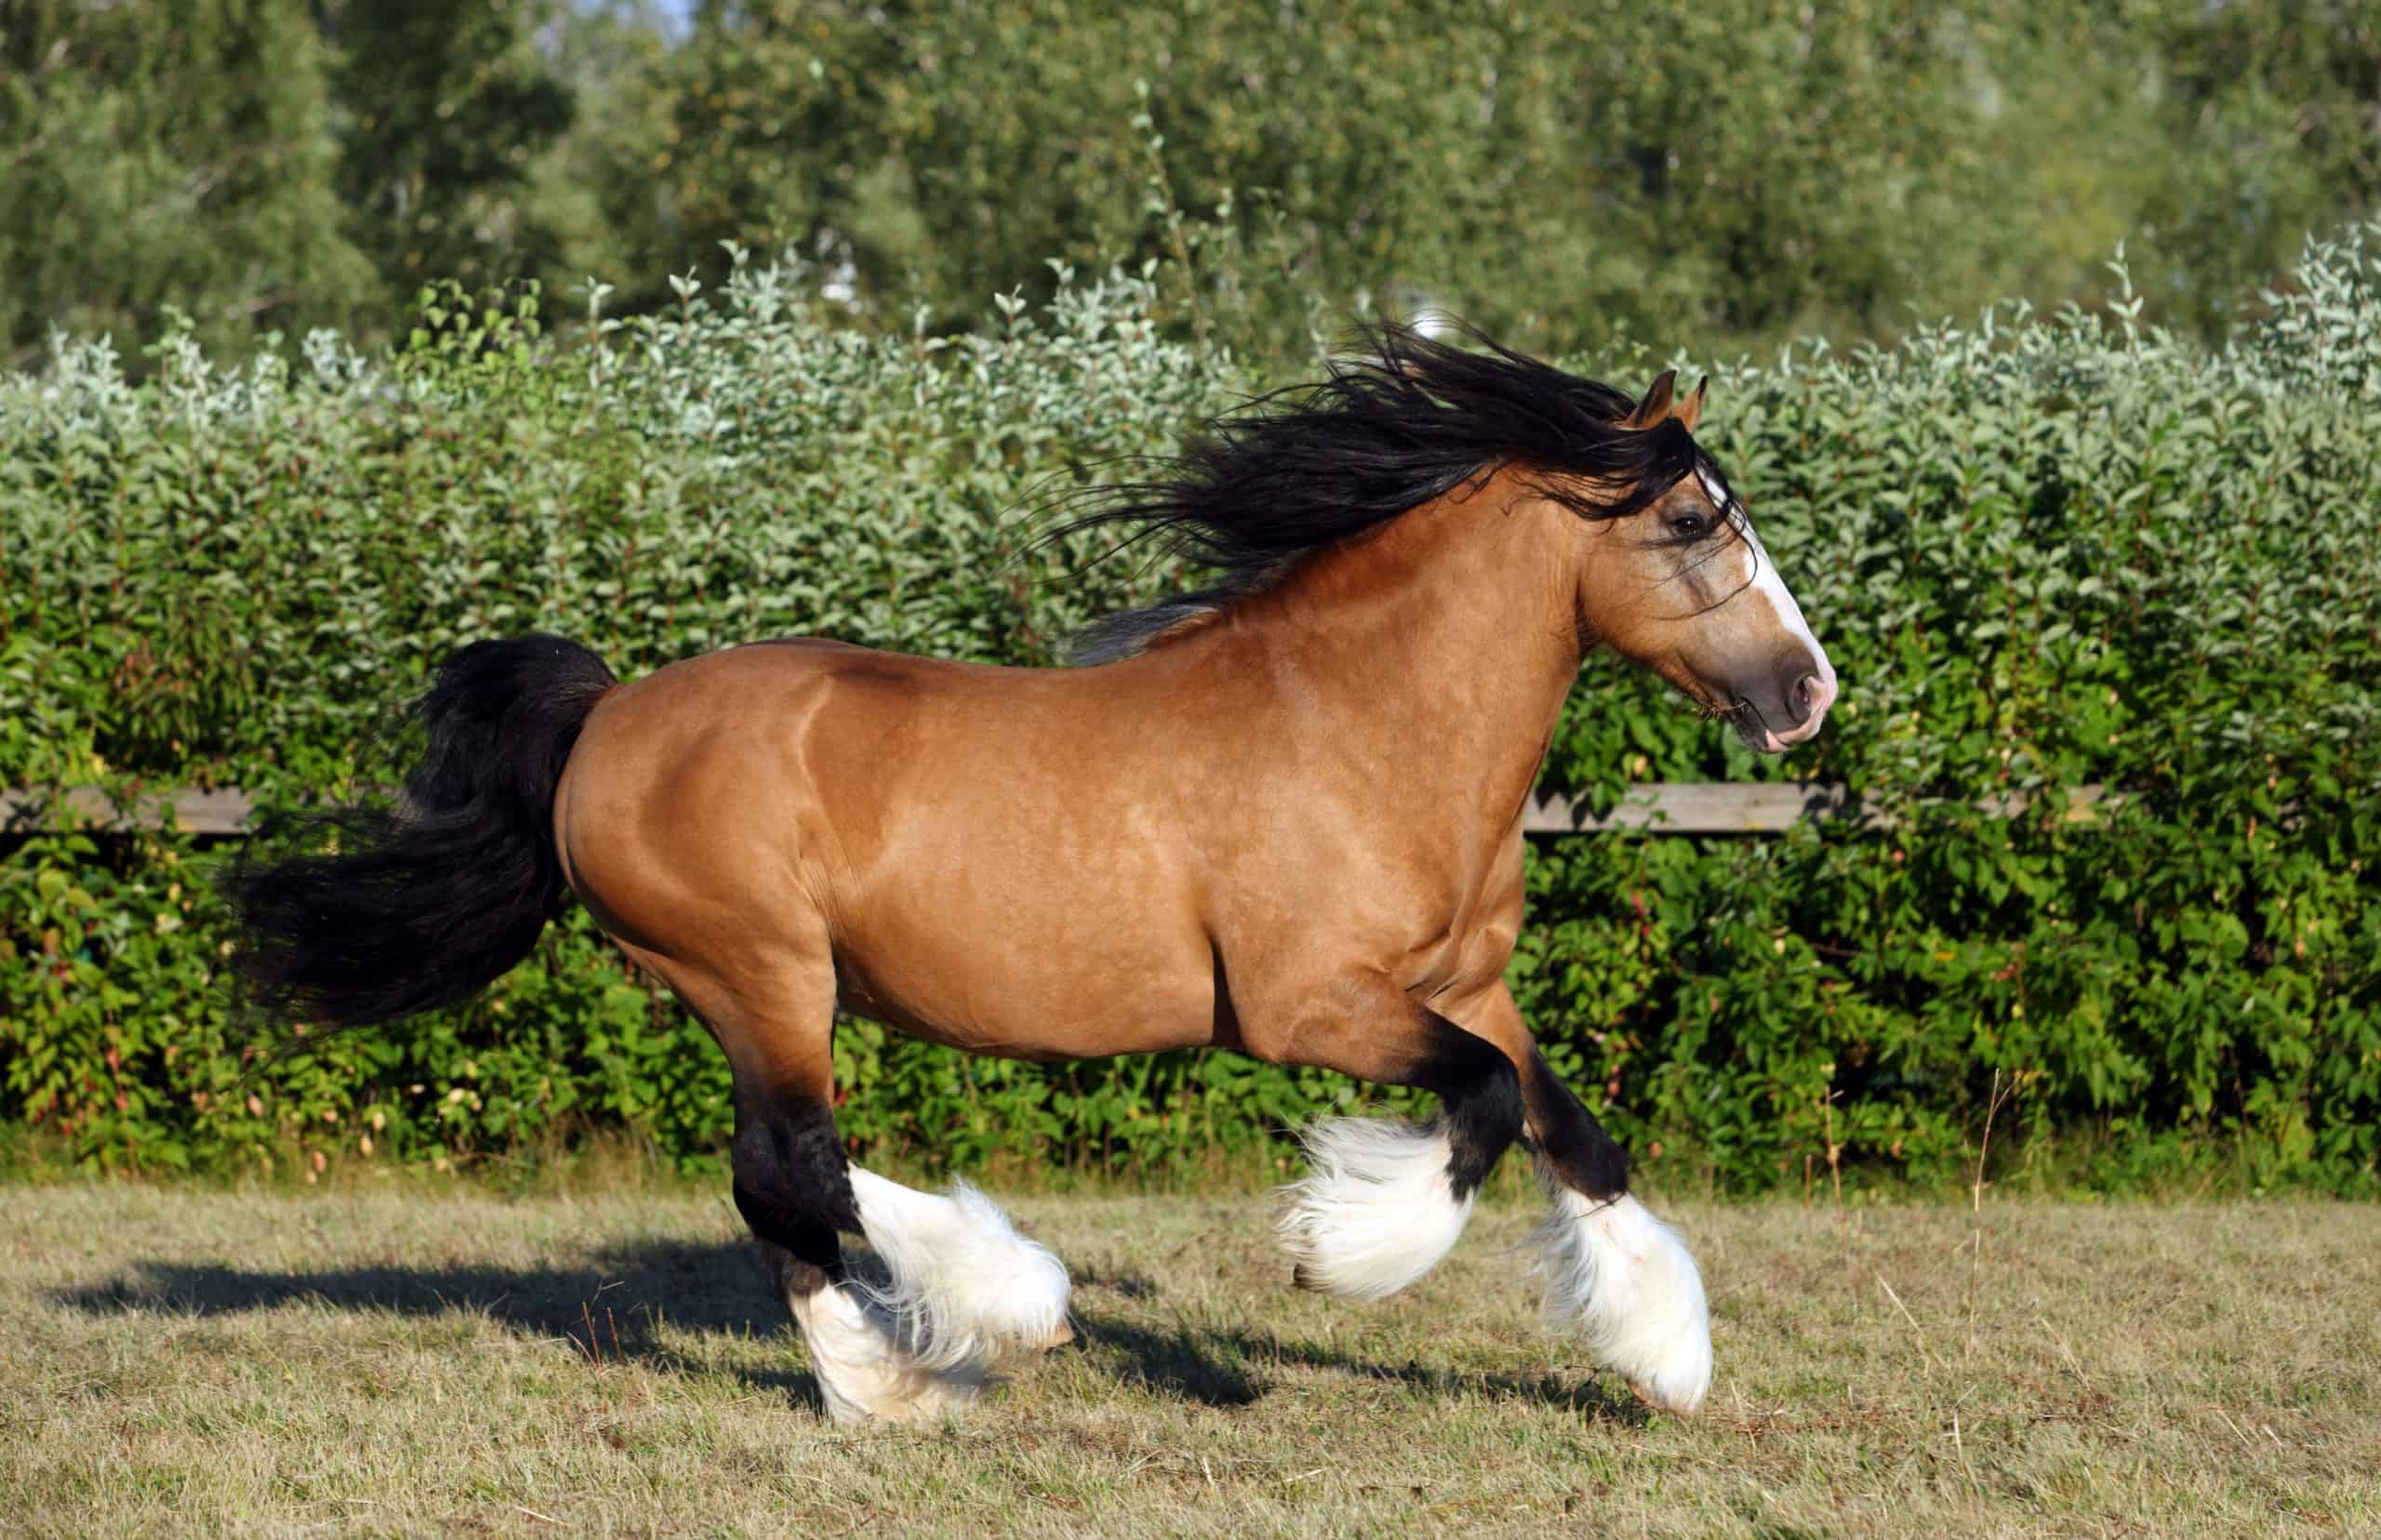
(866, 1372)
(1652, 1399)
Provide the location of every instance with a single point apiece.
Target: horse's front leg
(1384, 1199)
(1616, 1274)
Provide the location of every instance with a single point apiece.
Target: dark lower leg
(1574, 1145)
(792, 1184)
(1365, 1025)
(1481, 1100)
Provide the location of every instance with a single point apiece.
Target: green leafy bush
(2045, 552)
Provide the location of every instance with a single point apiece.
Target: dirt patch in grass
(175, 1360)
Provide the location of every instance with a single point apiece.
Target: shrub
(2045, 552)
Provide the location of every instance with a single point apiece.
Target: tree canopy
(1727, 174)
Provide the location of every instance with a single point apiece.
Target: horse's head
(1684, 586)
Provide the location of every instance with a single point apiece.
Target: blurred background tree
(175, 153)
(1726, 175)
(440, 107)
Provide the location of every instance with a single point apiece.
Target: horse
(1280, 816)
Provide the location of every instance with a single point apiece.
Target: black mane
(1406, 420)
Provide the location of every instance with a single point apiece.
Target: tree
(1721, 177)
(173, 154)
(442, 108)
(1729, 174)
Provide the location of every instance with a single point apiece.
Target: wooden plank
(223, 811)
(1692, 808)
(1671, 807)
(1739, 808)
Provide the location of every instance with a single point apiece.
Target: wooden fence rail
(1668, 807)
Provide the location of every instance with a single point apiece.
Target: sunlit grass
(180, 1360)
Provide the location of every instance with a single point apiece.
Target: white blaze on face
(1772, 588)
(1760, 574)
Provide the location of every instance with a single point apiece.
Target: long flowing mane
(1405, 420)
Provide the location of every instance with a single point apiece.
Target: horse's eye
(1689, 527)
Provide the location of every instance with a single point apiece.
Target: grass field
(180, 1360)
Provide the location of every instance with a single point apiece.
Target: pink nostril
(1807, 692)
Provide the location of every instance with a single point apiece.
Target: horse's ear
(1656, 404)
(1690, 411)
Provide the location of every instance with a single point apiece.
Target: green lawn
(186, 1361)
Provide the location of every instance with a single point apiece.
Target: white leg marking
(1375, 1210)
(965, 1287)
(1625, 1283)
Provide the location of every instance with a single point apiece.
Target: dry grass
(175, 1360)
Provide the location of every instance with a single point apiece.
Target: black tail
(401, 911)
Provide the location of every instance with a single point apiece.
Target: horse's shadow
(612, 1307)
(1588, 1398)
(638, 1301)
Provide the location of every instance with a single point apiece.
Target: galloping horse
(1281, 816)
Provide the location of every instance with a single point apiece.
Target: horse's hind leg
(1619, 1277)
(794, 1189)
(960, 1288)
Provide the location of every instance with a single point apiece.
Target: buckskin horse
(1280, 816)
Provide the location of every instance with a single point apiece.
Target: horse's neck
(1442, 644)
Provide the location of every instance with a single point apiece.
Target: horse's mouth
(1746, 718)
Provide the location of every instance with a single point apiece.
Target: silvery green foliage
(304, 542)
(83, 389)
(904, 473)
(2324, 334)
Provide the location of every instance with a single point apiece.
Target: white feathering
(1625, 1283)
(965, 1287)
(863, 1369)
(1376, 1210)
